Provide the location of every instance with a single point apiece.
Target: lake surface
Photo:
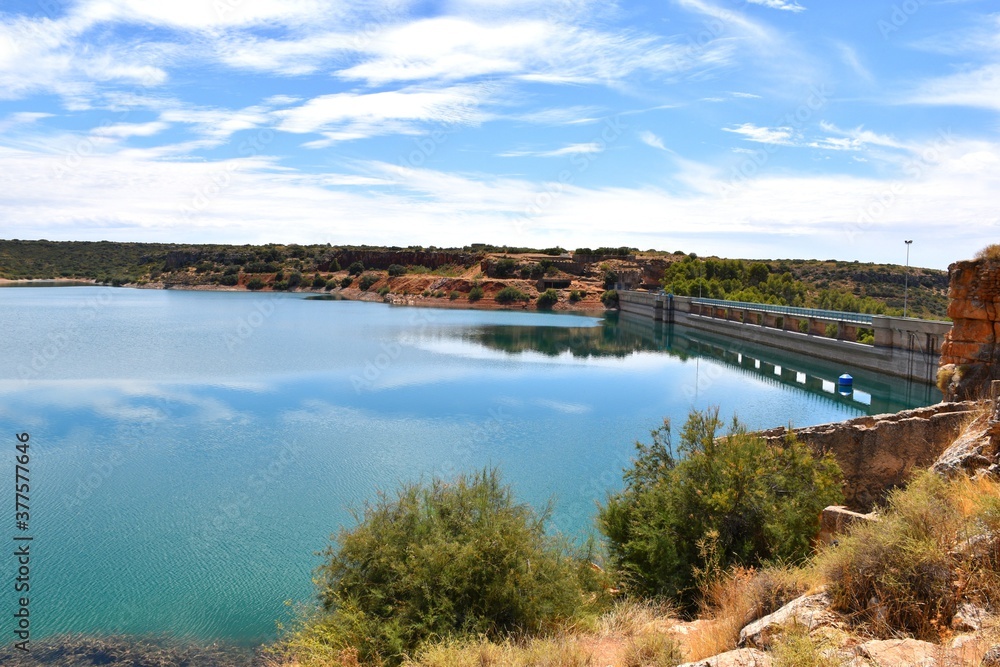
(191, 451)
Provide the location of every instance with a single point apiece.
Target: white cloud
(345, 116)
(454, 48)
(125, 130)
(203, 15)
(126, 195)
(651, 139)
(571, 149)
(748, 96)
(979, 88)
(781, 136)
(779, 4)
(22, 118)
(575, 115)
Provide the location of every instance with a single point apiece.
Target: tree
(356, 268)
(442, 560)
(721, 501)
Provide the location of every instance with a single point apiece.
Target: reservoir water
(191, 451)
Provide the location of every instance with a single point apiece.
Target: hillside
(442, 276)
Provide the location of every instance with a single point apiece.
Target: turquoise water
(191, 451)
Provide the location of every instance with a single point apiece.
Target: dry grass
(798, 649)
(741, 596)
(632, 617)
(652, 650)
(991, 251)
(558, 652)
(938, 542)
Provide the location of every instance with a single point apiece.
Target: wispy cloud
(779, 4)
(978, 88)
(571, 149)
(347, 116)
(781, 136)
(126, 130)
(651, 139)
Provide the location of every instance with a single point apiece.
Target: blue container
(845, 381)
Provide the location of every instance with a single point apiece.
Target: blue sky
(743, 128)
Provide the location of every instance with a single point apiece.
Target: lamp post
(906, 279)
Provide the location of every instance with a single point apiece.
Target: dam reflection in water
(621, 335)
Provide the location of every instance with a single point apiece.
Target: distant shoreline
(582, 307)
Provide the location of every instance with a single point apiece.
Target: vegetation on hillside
(823, 284)
(829, 285)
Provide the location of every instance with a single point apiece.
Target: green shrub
(295, 279)
(548, 298)
(280, 275)
(831, 330)
(510, 295)
(383, 290)
(346, 281)
(255, 284)
(396, 270)
(334, 265)
(476, 293)
(505, 268)
(803, 326)
(229, 280)
(318, 281)
(332, 283)
(866, 336)
(610, 299)
(726, 501)
(454, 295)
(279, 285)
(356, 268)
(443, 560)
(575, 295)
(367, 280)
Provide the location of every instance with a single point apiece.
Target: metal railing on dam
(903, 346)
(815, 313)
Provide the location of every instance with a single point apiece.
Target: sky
(742, 128)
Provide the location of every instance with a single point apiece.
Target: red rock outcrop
(970, 356)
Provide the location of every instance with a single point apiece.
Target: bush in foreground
(723, 501)
(440, 560)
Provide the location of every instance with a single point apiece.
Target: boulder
(808, 611)
(992, 658)
(901, 653)
(972, 449)
(742, 657)
(969, 618)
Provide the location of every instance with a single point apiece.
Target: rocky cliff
(970, 356)
(878, 453)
